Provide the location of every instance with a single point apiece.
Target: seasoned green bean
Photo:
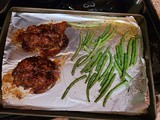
(102, 67)
(124, 36)
(99, 72)
(76, 64)
(113, 90)
(87, 93)
(82, 25)
(104, 78)
(106, 89)
(123, 40)
(84, 44)
(95, 63)
(88, 85)
(117, 54)
(107, 79)
(102, 58)
(86, 49)
(116, 60)
(91, 54)
(118, 68)
(89, 41)
(107, 50)
(92, 63)
(105, 33)
(71, 85)
(89, 64)
(120, 71)
(125, 67)
(133, 52)
(129, 52)
(136, 50)
(108, 37)
(79, 47)
(92, 79)
(88, 77)
(107, 69)
(100, 62)
(86, 38)
(120, 52)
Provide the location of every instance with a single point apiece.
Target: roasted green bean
(79, 47)
(123, 41)
(91, 54)
(88, 85)
(108, 37)
(100, 62)
(82, 25)
(99, 72)
(88, 77)
(107, 69)
(113, 90)
(125, 67)
(117, 54)
(136, 50)
(71, 85)
(133, 51)
(86, 38)
(103, 86)
(90, 38)
(105, 33)
(102, 59)
(106, 88)
(76, 64)
(89, 64)
(129, 52)
(86, 49)
(120, 52)
(120, 71)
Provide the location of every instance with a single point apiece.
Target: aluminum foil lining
(126, 99)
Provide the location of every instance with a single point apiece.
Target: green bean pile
(93, 63)
(124, 60)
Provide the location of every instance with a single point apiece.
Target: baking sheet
(132, 100)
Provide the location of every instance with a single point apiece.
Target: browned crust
(10, 89)
(46, 39)
(16, 35)
(37, 73)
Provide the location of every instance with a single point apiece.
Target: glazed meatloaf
(48, 39)
(36, 73)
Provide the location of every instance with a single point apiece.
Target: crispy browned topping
(37, 73)
(48, 39)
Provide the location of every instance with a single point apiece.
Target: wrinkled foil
(126, 99)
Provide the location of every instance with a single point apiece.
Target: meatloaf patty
(36, 73)
(48, 39)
